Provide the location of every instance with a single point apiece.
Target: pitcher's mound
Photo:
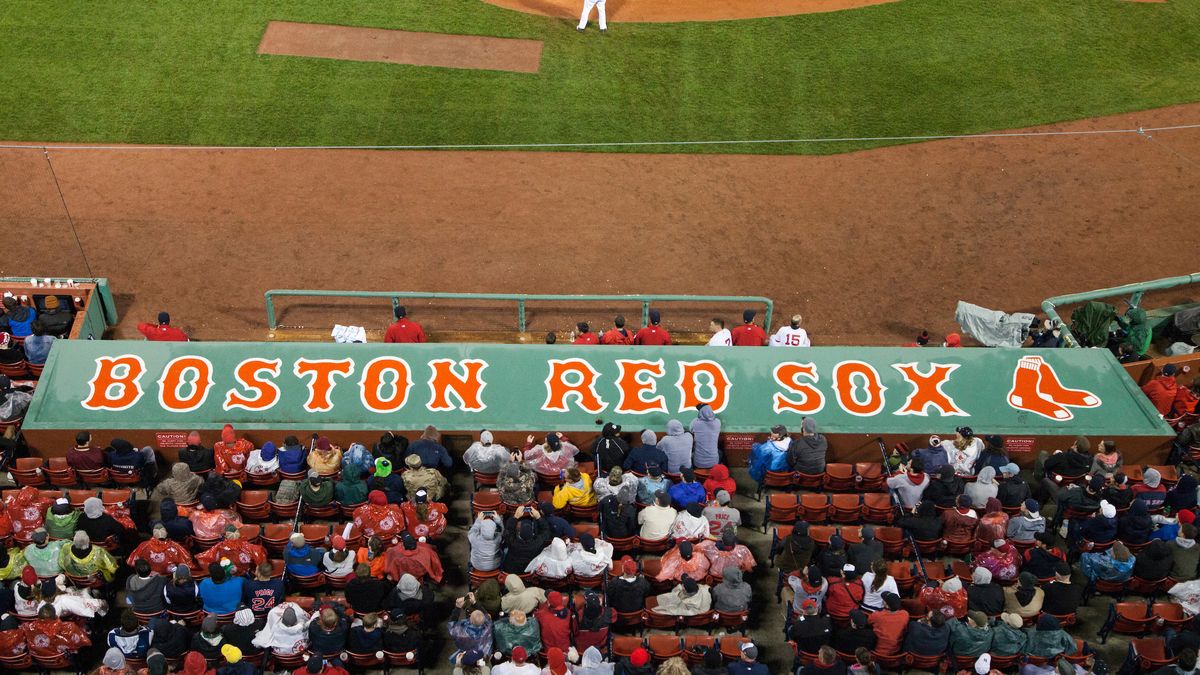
(667, 11)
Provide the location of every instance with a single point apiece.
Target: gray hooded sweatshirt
(983, 488)
(677, 445)
(732, 594)
(706, 429)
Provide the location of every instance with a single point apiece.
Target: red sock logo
(1037, 389)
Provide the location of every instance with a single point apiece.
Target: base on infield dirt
(670, 11)
(353, 43)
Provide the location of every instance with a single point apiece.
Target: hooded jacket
(1048, 639)
(525, 539)
(20, 320)
(485, 536)
(609, 449)
(684, 494)
(732, 594)
(350, 489)
(909, 486)
(628, 595)
(1154, 562)
(292, 458)
(641, 456)
(1185, 558)
(518, 596)
(983, 488)
(769, 455)
(706, 430)
(1013, 491)
(1006, 640)
(945, 488)
(807, 453)
(508, 635)
(593, 663)
(968, 641)
(197, 457)
(677, 446)
(983, 595)
(183, 486)
(1135, 526)
(1025, 527)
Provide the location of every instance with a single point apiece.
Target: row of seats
(872, 507)
(837, 477)
(689, 647)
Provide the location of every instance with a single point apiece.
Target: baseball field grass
(176, 72)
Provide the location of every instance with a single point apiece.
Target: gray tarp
(993, 328)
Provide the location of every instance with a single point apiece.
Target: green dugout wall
(151, 392)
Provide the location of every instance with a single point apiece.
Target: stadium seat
(17, 370)
(781, 508)
(654, 621)
(269, 479)
(114, 497)
(845, 508)
(314, 534)
(27, 472)
(623, 545)
(878, 508)
(94, 477)
(851, 534)
(60, 473)
(1171, 615)
(484, 479)
(778, 480)
(17, 662)
(252, 504)
(78, 497)
(694, 647)
(821, 534)
(624, 645)
(813, 508)
(663, 647)
(275, 537)
(893, 540)
(840, 477)
(808, 481)
(731, 647)
(1150, 654)
(870, 475)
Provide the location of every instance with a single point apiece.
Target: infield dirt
(870, 246)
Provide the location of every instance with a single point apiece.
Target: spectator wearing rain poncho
(593, 663)
(963, 450)
(689, 598)
(552, 563)
(591, 557)
(183, 486)
(1137, 331)
(485, 456)
(351, 489)
(472, 633)
(285, 631)
(551, 457)
(726, 553)
(358, 456)
(82, 559)
(681, 561)
(518, 629)
(1114, 564)
(617, 484)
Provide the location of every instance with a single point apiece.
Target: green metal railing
(1135, 292)
(519, 298)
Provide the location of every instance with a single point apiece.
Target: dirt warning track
(871, 246)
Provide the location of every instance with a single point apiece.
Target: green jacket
(508, 636)
(967, 641)
(321, 496)
(61, 527)
(1007, 640)
(1138, 333)
(1186, 560)
(1047, 643)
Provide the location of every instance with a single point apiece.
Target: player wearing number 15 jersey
(791, 335)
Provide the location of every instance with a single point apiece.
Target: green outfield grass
(187, 72)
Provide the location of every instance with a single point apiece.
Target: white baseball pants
(587, 11)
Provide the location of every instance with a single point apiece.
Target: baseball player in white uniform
(587, 11)
(791, 335)
(721, 335)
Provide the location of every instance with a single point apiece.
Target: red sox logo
(1037, 389)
